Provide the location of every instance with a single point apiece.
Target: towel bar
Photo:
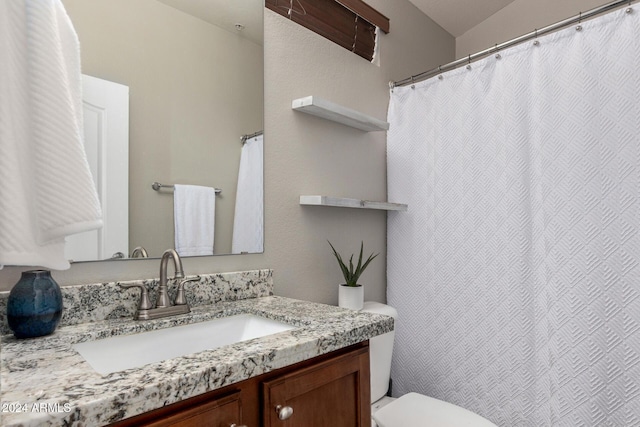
(157, 186)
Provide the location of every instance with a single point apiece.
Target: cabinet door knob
(284, 412)
(236, 425)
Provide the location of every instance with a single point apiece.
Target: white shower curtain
(516, 270)
(248, 230)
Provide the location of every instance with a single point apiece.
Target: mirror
(194, 73)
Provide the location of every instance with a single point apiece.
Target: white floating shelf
(342, 202)
(337, 113)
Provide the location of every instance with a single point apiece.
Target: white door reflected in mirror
(106, 142)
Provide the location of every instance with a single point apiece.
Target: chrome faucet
(139, 252)
(164, 307)
(163, 296)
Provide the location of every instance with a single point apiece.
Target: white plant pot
(351, 297)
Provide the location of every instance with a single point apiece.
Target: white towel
(46, 188)
(194, 209)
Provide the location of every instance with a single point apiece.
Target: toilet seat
(418, 410)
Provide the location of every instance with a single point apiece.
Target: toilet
(412, 409)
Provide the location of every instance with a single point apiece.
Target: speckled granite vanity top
(46, 374)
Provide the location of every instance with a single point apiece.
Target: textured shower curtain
(516, 270)
(248, 220)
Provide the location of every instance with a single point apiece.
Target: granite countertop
(47, 383)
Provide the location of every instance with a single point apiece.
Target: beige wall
(518, 18)
(194, 90)
(307, 155)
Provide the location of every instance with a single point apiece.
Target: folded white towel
(46, 188)
(194, 209)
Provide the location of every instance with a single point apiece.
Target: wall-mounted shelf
(342, 202)
(328, 110)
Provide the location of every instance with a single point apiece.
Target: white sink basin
(131, 351)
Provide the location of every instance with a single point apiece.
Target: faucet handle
(144, 303)
(180, 297)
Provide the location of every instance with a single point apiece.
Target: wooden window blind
(349, 23)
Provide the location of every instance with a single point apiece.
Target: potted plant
(351, 293)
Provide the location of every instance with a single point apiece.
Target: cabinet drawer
(222, 412)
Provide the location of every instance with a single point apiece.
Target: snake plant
(351, 274)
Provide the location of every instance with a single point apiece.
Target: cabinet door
(334, 393)
(222, 412)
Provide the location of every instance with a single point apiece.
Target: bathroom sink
(131, 351)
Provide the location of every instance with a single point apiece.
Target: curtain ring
(469, 63)
(579, 26)
(498, 56)
(413, 86)
(536, 42)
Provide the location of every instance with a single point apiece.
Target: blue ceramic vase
(34, 307)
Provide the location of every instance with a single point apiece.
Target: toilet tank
(380, 351)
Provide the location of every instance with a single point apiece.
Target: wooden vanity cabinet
(327, 391)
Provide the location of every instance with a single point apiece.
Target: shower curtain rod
(495, 49)
(244, 138)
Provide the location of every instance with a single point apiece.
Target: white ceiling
(455, 16)
(459, 16)
(226, 14)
